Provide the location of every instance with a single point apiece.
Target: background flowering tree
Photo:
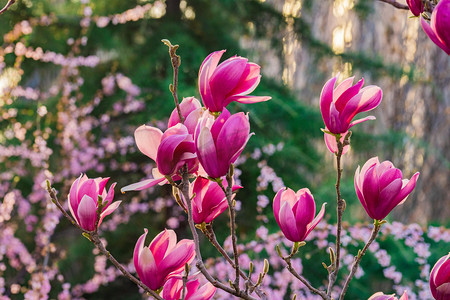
(70, 105)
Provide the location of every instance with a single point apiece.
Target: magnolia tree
(198, 155)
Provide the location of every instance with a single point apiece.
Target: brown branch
(358, 257)
(209, 233)
(176, 62)
(8, 4)
(396, 4)
(333, 269)
(184, 186)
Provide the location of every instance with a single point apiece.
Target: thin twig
(334, 267)
(184, 186)
(176, 62)
(209, 233)
(95, 239)
(358, 257)
(8, 4)
(303, 280)
(396, 4)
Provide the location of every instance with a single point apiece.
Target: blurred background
(77, 78)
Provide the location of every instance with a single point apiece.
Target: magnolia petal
(342, 87)
(249, 80)
(148, 139)
(184, 252)
(207, 155)
(407, 189)
(367, 99)
(348, 94)
(109, 210)
(440, 19)
(206, 70)
(87, 213)
(249, 99)
(142, 185)
(387, 199)
(205, 292)
(330, 142)
(149, 270)
(316, 221)
(368, 118)
(370, 190)
(287, 223)
(326, 98)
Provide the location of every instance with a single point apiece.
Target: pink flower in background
(209, 200)
(330, 142)
(220, 142)
(438, 29)
(341, 104)
(294, 213)
(191, 110)
(162, 259)
(381, 296)
(416, 6)
(440, 279)
(380, 187)
(171, 151)
(230, 81)
(173, 289)
(83, 200)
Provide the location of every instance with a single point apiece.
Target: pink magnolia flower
(438, 29)
(416, 6)
(330, 142)
(381, 296)
(191, 110)
(341, 104)
(171, 151)
(230, 81)
(440, 279)
(83, 200)
(220, 142)
(173, 289)
(209, 200)
(380, 187)
(162, 259)
(294, 213)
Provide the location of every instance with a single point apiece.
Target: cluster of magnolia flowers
(203, 142)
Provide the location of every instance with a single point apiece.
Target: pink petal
(330, 142)
(370, 190)
(110, 195)
(138, 248)
(277, 205)
(109, 210)
(367, 99)
(87, 213)
(101, 182)
(305, 210)
(358, 189)
(248, 99)
(386, 177)
(287, 223)
(205, 292)
(174, 261)
(348, 94)
(440, 23)
(73, 196)
(206, 70)
(142, 185)
(219, 122)
(90, 188)
(408, 188)
(249, 80)
(162, 244)
(387, 198)
(207, 155)
(232, 139)
(147, 140)
(368, 118)
(316, 221)
(326, 98)
(342, 87)
(225, 78)
(148, 269)
(432, 35)
(404, 296)
(187, 106)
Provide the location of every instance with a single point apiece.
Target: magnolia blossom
(171, 151)
(191, 110)
(230, 81)
(381, 296)
(440, 279)
(208, 200)
(341, 104)
(294, 213)
(173, 289)
(83, 200)
(220, 142)
(438, 29)
(380, 187)
(416, 6)
(162, 259)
